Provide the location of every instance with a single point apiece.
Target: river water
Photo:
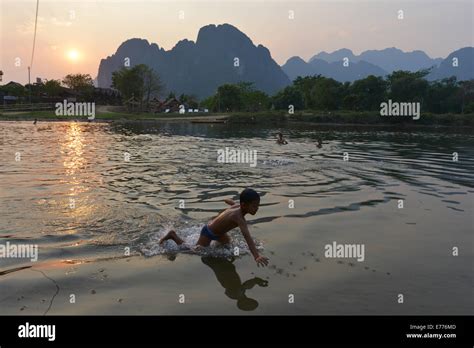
(96, 197)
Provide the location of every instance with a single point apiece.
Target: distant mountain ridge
(459, 63)
(389, 59)
(221, 54)
(381, 63)
(296, 66)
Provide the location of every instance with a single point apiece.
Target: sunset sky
(73, 36)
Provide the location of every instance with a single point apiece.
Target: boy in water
(280, 139)
(228, 219)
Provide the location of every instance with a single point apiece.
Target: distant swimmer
(280, 139)
(320, 143)
(228, 219)
(35, 121)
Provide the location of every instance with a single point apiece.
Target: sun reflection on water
(77, 177)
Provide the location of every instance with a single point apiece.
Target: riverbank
(342, 118)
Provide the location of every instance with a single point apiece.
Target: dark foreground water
(87, 194)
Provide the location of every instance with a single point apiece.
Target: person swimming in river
(232, 217)
(280, 139)
(320, 143)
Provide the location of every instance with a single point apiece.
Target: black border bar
(216, 330)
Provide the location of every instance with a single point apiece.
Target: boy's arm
(229, 201)
(248, 238)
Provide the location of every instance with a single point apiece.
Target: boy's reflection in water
(234, 288)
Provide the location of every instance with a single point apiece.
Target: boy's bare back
(227, 220)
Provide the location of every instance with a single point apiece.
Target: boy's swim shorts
(206, 231)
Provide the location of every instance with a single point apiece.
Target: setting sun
(73, 55)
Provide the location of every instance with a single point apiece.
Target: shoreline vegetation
(335, 118)
(402, 99)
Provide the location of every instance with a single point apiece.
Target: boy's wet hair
(248, 195)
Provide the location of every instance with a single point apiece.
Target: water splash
(190, 235)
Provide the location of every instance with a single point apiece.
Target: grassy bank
(367, 118)
(105, 116)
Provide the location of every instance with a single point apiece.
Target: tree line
(326, 94)
(318, 93)
(79, 86)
